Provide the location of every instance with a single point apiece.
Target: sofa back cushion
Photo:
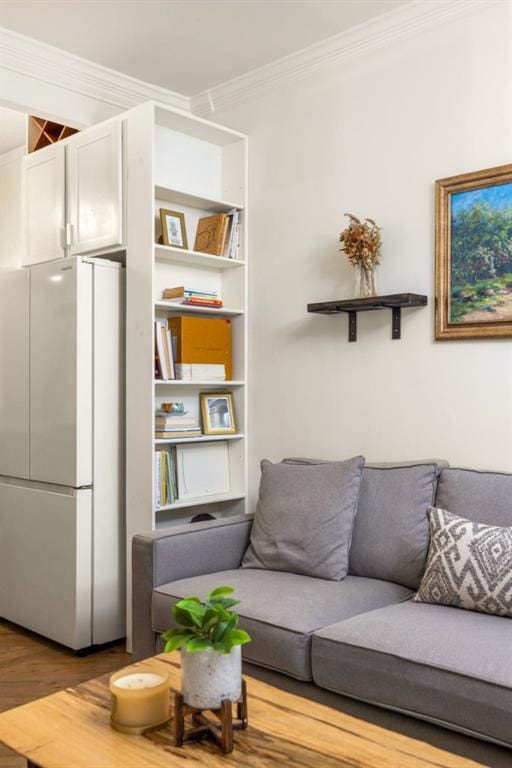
(304, 519)
(482, 497)
(391, 530)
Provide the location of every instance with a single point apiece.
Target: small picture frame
(218, 413)
(174, 232)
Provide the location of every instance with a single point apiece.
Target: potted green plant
(210, 642)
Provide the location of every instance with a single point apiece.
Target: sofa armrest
(178, 553)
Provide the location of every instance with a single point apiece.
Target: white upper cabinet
(72, 196)
(43, 206)
(95, 189)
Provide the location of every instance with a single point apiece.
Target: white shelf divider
(173, 306)
(195, 258)
(200, 500)
(212, 384)
(202, 439)
(191, 200)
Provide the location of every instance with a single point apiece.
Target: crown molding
(27, 56)
(376, 33)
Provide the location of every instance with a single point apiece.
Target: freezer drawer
(45, 562)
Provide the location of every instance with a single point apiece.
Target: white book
(202, 470)
(160, 348)
(200, 372)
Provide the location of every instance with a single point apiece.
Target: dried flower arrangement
(361, 241)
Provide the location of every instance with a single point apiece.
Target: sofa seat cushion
(441, 663)
(281, 610)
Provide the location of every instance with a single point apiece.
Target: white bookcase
(183, 163)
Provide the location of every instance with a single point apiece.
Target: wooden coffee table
(71, 729)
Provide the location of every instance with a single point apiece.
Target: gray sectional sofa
(361, 637)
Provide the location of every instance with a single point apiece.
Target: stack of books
(219, 235)
(171, 426)
(191, 297)
(165, 478)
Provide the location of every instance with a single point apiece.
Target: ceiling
(186, 46)
(13, 129)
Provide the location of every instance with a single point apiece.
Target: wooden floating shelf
(202, 439)
(182, 197)
(395, 302)
(173, 306)
(195, 258)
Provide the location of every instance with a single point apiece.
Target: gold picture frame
(218, 413)
(474, 255)
(174, 232)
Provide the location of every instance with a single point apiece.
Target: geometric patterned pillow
(469, 565)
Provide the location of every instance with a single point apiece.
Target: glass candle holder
(140, 700)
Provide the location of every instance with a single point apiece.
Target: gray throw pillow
(469, 565)
(304, 520)
(390, 538)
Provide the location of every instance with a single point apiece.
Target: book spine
(203, 302)
(158, 495)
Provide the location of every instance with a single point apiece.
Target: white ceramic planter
(208, 677)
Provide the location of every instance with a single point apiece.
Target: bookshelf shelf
(199, 501)
(180, 309)
(210, 384)
(203, 439)
(182, 197)
(195, 258)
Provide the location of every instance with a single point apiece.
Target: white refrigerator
(62, 568)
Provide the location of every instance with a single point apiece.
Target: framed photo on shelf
(218, 413)
(174, 232)
(474, 255)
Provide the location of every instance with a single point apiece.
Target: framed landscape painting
(474, 255)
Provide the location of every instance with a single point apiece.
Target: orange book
(203, 340)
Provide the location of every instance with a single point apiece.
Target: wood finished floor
(31, 667)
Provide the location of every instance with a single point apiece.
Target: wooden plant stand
(221, 733)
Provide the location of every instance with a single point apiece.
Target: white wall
(370, 137)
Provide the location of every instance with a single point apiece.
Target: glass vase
(365, 283)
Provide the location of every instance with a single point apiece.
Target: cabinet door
(45, 562)
(14, 373)
(94, 189)
(43, 205)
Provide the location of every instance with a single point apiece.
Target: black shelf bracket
(396, 327)
(352, 326)
(395, 302)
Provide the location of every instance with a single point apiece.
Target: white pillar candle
(139, 699)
